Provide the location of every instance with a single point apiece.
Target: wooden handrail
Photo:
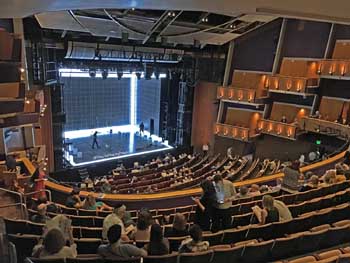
(186, 192)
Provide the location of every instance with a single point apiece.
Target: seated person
(340, 173)
(313, 183)
(158, 245)
(283, 211)
(50, 207)
(54, 246)
(269, 213)
(254, 190)
(91, 204)
(115, 248)
(329, 178)
(284, 119)
(243, 192)
(74, 201)
(194, 243)
(143, 226)
(179, 228)
(40, 217)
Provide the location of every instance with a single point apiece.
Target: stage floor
(122, 143)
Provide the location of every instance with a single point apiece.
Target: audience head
(114, 233)
(120, 210)
(207, 186)
(179, 222)
(295, 165)
(195, 233)
(54, 241)
(144, 219)
(314, 180)
(42, 209)
(254, 188)
(218, 178)
(308, 175)
(42, 199)
(267, 202)
(330, 177)
(264, 189)
(75, 192)
(90, 200)
(339, 168)
(243, 190)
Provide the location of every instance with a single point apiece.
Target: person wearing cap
(116, 218)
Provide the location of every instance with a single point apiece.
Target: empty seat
(328, 254)
(261, 231)
(35, 228)
(24, 245)
(175, 242)
(87, 245)
(232, 254)
(345, 258)
(171, 258)
(320, 227)
(234, 235)
(310, 242)
(342, 223)
(306, 259)
(284, 247)
(86, 259)
(119, 260)
(91, 232)
(213, 238)
(335, 236)
(16, 226)
(258, 252)
(83, 212)
(50, 260)
(197, 257)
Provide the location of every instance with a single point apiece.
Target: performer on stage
(94, 142)
(142, 128)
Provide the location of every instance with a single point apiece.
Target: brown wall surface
(204, 114)
(341, 50)
(290, 111)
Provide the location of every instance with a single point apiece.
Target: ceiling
(336, 10)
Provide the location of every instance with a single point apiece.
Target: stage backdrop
(95, 102)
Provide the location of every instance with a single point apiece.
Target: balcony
(236, 94)
(234, 132)
(281, 83)
(331, 68)
(279, 129)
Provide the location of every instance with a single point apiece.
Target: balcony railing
(236, 94)
(234, 132)
(334, 67)
(276, 128)
(289, 84)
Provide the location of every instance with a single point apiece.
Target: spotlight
(120, 75)
(104, 74)
(138, 75)
(92, 73)
(21, 70)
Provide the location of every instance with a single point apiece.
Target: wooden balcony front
(236, 94)
(234, 132)
(289, 84)
(279, 129)
(334, 67)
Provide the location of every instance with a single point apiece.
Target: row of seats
(253, 250)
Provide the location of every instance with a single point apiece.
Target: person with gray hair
(116, 218)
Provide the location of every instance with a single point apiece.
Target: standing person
(38, 179)
(142, 128)
(204, 210)
(205, 149)
(94, 142)
(284, 119)
(225, 194)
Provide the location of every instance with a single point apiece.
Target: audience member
(329, 178)
(90, 203)
(115, 218)
(283, 211)
(54, 246)
(291, 177)
(50, 207)
(115, 248)
(143, 226)
(204, 209)
(158, 245)
(41, 216)
(254, 190)
(74, 201)
(243, 192)
(225, 194)
(179, 228)
(194, 243)
(269, 213)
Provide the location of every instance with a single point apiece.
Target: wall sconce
(276, 84)
(331, 70)
(267, 83)
(225, 131)
(221, 93)
(231, 94)
(217, 130)
(298, 87)
(319, 70)
(289, 85)
(342, 71)
(270, 128)
(234, 132)
(289, 133)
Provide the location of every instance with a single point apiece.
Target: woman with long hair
(158, 245)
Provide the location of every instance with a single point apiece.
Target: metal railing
(23, 209)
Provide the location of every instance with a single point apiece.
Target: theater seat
(51, 260)
(284, 247)
(198, 257)
(257, 252)
(234, 235)
(87, 245)
(345, 258)
(329, 260)
(233, 254)
(118, 260)
(86, 259)
(342, 223)
(214, 238)
(171, 258)
(306, 259)
(320, 227)
(328, 254)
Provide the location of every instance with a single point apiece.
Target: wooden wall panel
(204, 114)
(290, 111)
(299, 68)
(10, 90)
(243, 118)
(248, 80)
(341, 49)
(330, 109)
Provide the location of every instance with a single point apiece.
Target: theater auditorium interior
(163, 131)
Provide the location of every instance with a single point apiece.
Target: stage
(122, 142)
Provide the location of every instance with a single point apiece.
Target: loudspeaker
(151, 126)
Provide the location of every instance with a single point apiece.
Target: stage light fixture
(138, 75)
(92, 73)
(104, 74)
